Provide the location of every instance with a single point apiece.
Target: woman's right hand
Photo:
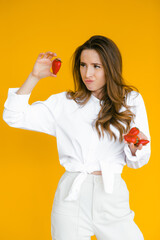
(43, 65)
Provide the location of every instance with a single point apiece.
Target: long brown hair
(113, 93)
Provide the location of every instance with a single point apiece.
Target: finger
(46, 55)
(49, 54)
(132, 145)
(140, 146)
(41, 54)
(52, 53)
(53, 75)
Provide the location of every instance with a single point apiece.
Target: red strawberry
(134, 131)
(56, 64)
(131, 138)
(142, 141)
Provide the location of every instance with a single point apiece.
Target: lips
(88, 80)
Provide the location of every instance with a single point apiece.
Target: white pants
(107, 216)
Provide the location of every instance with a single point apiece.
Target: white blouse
(79, 147)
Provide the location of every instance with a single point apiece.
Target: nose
(89, 72)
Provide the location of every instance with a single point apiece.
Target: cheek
(81, 72)
(101, 76)
(100, 72)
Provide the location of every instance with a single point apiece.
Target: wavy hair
(113, 93)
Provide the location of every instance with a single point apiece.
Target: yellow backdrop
(29, 166)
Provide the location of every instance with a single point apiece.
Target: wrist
(34, 77)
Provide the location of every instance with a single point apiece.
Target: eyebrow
(92, 63)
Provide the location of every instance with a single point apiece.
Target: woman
(89, 124)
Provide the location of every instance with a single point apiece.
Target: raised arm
(40, 70)
(40, 115)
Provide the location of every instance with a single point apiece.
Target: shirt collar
(95, 99)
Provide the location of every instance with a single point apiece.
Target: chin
(91, 88)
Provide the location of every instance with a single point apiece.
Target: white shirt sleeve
(39, 116)
(140, 121)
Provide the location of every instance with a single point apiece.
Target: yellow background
(29, 166)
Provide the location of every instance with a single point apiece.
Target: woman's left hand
(132, 147)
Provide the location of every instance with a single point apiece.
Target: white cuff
(142, 156)
(16, 102)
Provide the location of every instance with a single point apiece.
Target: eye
(97, 66)
(82, 64)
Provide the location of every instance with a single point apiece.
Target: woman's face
(91, 68)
